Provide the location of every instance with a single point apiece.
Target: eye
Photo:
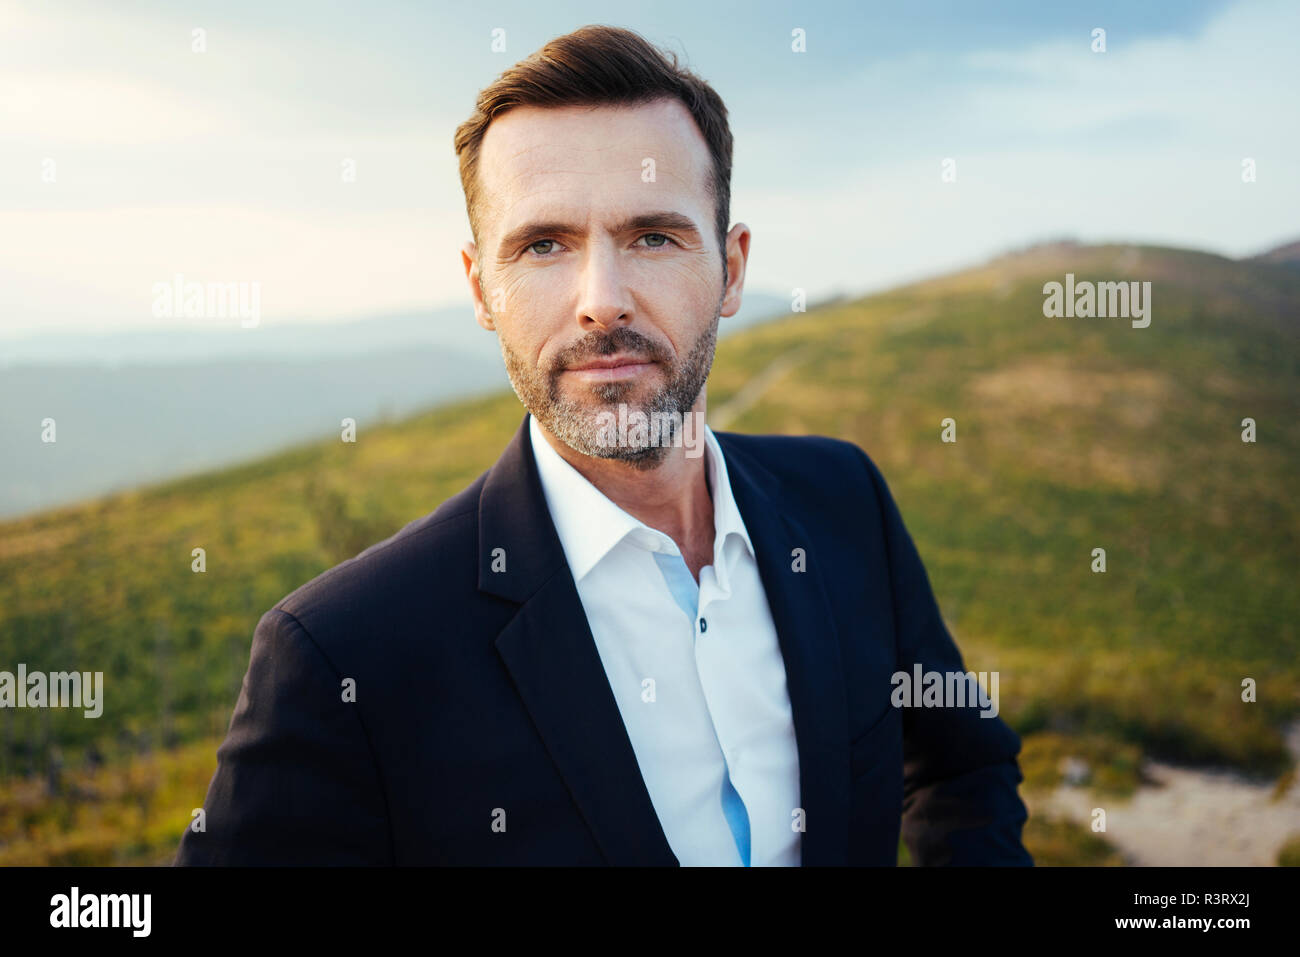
(540, 242)
(657, 245)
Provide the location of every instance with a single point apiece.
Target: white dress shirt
(701, 693)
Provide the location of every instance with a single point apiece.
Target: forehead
(579, 158)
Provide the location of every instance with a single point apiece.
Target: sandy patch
(1190, 817)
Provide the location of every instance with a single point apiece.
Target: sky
(127, 157)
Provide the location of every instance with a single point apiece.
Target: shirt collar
(590, 525)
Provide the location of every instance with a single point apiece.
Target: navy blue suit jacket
(478, 689)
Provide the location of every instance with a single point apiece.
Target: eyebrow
(661, 219)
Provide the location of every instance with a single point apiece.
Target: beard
(576, 421)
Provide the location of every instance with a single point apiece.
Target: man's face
(599, 269)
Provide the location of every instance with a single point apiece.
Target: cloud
(1141, 143)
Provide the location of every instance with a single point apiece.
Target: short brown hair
(592, 66)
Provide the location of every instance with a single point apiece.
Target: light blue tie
(686, 592)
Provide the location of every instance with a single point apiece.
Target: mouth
(617, 368)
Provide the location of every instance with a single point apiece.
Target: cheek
(680, 300)
(684, 276)
(528, 314)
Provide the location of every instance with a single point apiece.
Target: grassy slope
(1072, 434)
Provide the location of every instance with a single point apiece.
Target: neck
(673, 497)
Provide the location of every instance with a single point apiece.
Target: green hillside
(1072, 434)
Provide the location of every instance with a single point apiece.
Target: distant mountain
(1286, 255)
(119, 426)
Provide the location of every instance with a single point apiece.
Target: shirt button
(704, 625)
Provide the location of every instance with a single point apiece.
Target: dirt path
(1191, 817)
(722, 417)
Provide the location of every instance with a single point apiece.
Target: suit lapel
(551, 655)
(810, 649)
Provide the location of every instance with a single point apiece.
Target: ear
(737, 253)
(469, 259)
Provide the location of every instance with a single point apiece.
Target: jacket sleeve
(296, 781)
(960, 774)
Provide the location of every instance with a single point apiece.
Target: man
(619, 645)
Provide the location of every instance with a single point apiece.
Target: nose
(604, 298)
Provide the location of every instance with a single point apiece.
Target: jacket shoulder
(438, 547)
(800, 458)
(829, 484)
